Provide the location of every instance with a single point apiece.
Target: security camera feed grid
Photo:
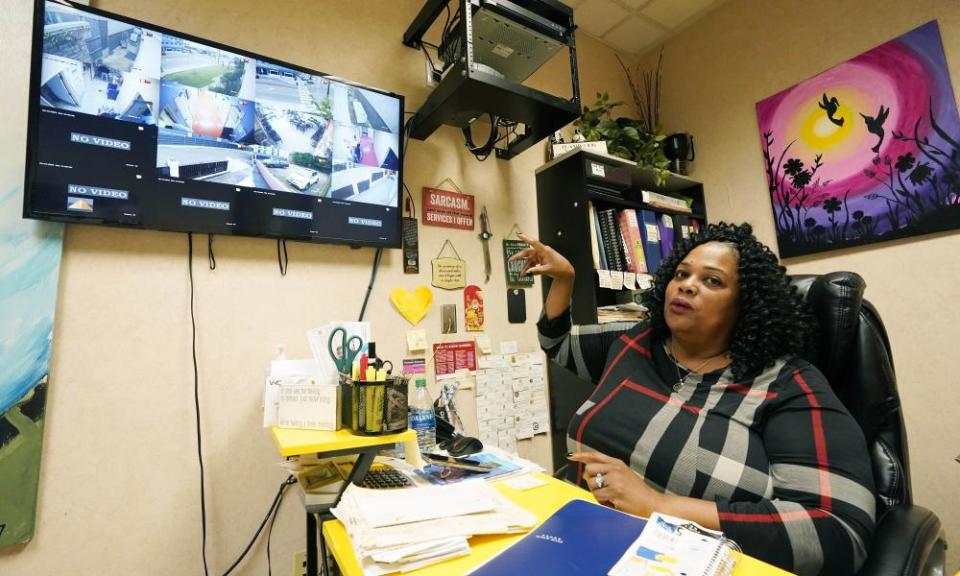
(99, 66)
(206, 114)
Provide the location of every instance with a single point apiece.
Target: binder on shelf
(666, 202)
(601, 249)
(682, 227)
(581, 538)
(650, 232)
(610, 231)
(665, 223)
(632, 241)
(594, 247)
(694, 226)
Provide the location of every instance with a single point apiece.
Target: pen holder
(374, 407)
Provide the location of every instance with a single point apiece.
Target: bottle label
(422, 419)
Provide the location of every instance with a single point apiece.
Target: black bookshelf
(567, 183)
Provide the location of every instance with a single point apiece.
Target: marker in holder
(374, 407)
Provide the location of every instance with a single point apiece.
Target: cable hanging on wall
(211, 257)
(271, 516)
(196, 403)
(282, 258)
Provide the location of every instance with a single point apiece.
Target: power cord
(196, 403)
(483, 151)
(211, 257)
(373, 277)
(282, 258)
(271, 514)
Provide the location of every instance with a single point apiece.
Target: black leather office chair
(852, 351)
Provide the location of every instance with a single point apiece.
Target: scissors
(343, 353)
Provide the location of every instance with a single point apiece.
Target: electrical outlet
(431, 79)
(300, 563)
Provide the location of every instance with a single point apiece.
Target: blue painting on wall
(29, 273)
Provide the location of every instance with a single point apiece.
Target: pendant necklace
(680, 379)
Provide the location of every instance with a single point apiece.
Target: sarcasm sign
(448, 209)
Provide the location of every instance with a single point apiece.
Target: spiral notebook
(673, 546)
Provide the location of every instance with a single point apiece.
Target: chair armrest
(907, 541)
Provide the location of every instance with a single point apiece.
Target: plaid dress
(782, 458)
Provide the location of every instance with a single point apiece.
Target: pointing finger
(530, 240)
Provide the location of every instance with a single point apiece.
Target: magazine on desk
(439, 474)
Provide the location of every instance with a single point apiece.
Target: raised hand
(543, 260)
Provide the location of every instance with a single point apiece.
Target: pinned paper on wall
(414, 365)
(416, 340)
(511, 399)
(483, 343)
(448, 357)
(473, 308)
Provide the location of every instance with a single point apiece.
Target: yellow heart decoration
(412, 305)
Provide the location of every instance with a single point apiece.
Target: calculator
(385, 478)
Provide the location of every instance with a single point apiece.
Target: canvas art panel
(866, 151)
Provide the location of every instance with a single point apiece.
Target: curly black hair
(773, 319)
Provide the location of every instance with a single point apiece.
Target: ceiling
(635, 26)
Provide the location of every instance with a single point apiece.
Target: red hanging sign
(447, 209)
(448, 357)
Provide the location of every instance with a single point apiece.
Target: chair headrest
(835, 300)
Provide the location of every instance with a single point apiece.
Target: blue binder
(650, 232)
(580, 538)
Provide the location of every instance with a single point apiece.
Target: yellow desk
(542, 501)
(293, 442)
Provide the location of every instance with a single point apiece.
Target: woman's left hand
(621, 488)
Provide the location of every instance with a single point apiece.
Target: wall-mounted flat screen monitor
(135, 125)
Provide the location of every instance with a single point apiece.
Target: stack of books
(401, 530)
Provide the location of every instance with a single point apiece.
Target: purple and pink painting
(866, 151)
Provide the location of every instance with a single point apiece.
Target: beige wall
(119, 484)
(746, 50)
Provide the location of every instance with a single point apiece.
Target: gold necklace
(676, 365)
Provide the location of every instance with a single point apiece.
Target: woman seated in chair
(705, 410)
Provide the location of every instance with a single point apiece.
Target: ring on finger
(598, 480)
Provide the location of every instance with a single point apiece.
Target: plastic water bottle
(422, 420)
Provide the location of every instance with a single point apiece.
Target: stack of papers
(621, 313)
(401, 530)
